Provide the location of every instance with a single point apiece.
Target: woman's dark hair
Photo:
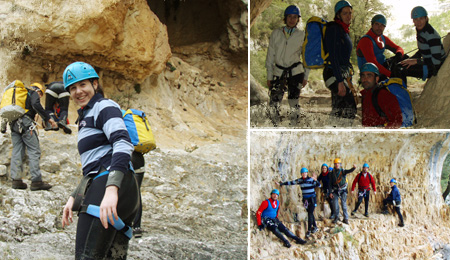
(99, 87)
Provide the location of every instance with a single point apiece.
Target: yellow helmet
(337, 160)
(39, 86)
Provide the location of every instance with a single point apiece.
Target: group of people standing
(284, 62)
(334, 187)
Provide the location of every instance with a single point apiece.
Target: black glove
(261, 227)
(398, 56)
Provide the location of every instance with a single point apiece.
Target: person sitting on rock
(267, 216)
(364, 180)
(371, 48)
(283, 62)
(394, 199)
(387, 101)
(57, 104)
(325, 179)
(426, 62)
(307, 184)
(339, 186)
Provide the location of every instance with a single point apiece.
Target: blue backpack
(313, 49)
(397, 87)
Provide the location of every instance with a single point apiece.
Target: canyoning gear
(78, 71)
(94, 210)
(13, 101)
(40, 185)
(341, 4)
(324, 165)
(57, 104)
(365, 194)
(271, 211)
(366, 165)
(275, 191)
(314, 53)
(418, 12)
(308, 234)
(370, 67)
(314, 230)
(138, 162)
(345, 221)
(393, 180)
(267, 204)
(19, 184)
(330, 169)
(364, 182)
(337, 160)
(292, 9)
(398, 88)
(139, 130)
(379, 18)
(137, 232)
(277, 227)
(303, 170)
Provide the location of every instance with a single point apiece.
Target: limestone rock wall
(256, 8)
(121, 36)
(415, 160)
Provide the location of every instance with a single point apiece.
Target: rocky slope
(415, 160)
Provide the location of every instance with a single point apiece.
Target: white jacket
(285, 52)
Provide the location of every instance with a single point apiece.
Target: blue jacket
(395, 194)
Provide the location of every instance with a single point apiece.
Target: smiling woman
(109, 185)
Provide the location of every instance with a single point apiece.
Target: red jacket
(364, 182)
(365, 46)
(264, 206)
(388, 104)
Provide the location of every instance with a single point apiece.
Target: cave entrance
(190, 21)
(445, 180)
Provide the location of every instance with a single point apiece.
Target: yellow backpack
(139, 130)
(13, 101)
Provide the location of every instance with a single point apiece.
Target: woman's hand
(67, 217)
(108, 207)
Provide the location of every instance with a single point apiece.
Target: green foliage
(445, 173)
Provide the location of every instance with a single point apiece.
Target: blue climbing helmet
(380, 19)
(275, 191)
(366, 165)
(78, 71)
(330, 169)
(341, 4)
(394, 181)
(292, 9)
(418, 12)
(369, 66)
(324, 165)
(303, 170)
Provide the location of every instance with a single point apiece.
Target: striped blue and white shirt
(307, 185)
(103, 139)
(430, 48)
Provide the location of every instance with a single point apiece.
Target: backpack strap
(375, 104)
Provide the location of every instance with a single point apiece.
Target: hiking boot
(287, 244)
(49, 127)
(335, 220)
(345, 221)
(300, 241)
(308, 234)
(40, 185)
(62, 124)
(19, 184)
(353, 212)
(137, 232)
(401, 225)
(314, 230)
(366, 215)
